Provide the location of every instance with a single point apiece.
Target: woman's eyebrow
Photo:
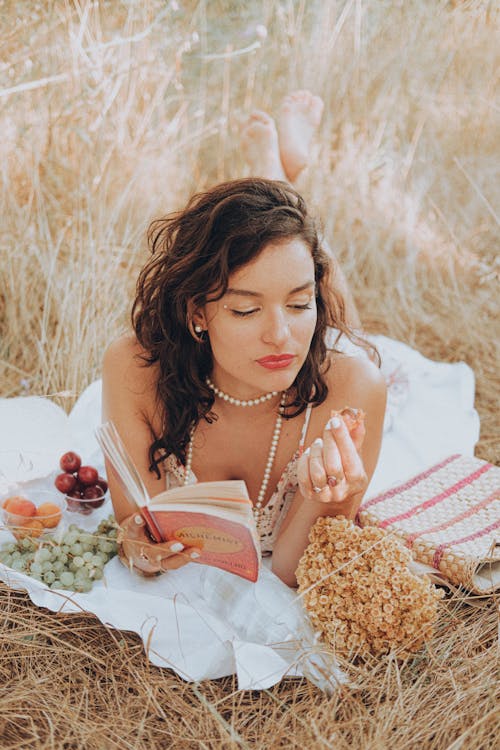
(248, 293)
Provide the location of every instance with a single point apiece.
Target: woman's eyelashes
(245, 313)
(306, 306)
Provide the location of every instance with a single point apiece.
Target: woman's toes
(259, 141)
(300, 116)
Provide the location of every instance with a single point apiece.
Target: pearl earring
(198, 329)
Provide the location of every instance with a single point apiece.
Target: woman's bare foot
(298, 120)
(259, 140)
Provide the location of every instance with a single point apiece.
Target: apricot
(32, 528)
(19, 506)
(49, 514)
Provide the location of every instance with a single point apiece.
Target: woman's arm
(349, 450)
(128, 399)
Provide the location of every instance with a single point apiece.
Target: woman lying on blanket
(227, 375)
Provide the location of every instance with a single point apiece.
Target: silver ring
(332, 480)
(317, 490)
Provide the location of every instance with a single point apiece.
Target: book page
(233, 491)
(237, 514)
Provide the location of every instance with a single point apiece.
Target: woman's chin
(280, 380)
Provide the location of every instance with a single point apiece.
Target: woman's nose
(276, 328)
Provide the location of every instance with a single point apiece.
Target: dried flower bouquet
(360, 594)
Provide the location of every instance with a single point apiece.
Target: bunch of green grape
(72, 563)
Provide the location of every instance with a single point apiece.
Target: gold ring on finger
(317, 490)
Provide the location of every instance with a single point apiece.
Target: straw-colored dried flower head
(359, 592)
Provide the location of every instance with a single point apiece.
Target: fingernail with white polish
(176, 547)
(318, 441)
(194, 555)
(334, 423)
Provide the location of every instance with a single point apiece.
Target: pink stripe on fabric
(438, 554)
(410, 483)
(437, 498)
(456, 519)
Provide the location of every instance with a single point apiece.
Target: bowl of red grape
(83, 488)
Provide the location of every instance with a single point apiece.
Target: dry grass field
(115, 111)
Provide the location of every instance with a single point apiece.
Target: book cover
(224, 544)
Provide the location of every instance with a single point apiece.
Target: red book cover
(224, 544)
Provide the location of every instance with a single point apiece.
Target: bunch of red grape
(82, 485)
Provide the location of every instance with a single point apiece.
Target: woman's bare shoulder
(123, 349)
(356, 381)
(345, 366)
(125, 365)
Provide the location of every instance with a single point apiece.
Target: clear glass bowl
(32, 514)
(83, 505)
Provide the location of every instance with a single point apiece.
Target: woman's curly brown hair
(194, 252)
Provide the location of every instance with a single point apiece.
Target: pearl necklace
(269, 465)
(240, 401)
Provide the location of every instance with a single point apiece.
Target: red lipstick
(276, 362)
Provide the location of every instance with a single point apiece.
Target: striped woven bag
(449, 516)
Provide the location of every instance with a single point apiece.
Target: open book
(216, 517)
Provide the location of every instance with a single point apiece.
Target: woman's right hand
(149, 558)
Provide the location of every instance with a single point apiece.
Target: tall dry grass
(114, 112)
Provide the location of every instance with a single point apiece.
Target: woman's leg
(298, 120)
(259, 141)
(283, 152)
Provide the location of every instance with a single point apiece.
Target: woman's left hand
(331, 470)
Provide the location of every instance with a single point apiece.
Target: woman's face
(261, 329)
